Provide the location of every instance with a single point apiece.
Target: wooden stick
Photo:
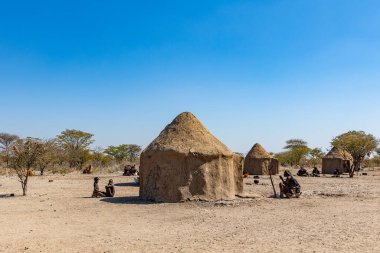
(271, 180)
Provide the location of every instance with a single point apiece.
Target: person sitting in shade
(289, 186)
(302, 172)
(336, 173)
(130, 170)
(315, 172)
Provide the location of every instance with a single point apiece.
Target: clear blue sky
(252, 71)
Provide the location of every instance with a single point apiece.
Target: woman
(289, 186)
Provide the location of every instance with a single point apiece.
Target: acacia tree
(297, 150)
(134, 151)
(125, 151)
(295, 143)
(118, 152)
(316, 156)
(6, 142)
(358, 144)
(284, 158)
(49, 155)
(24, 156)
(75, 143)
(99, 158)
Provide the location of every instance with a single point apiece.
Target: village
(225, 202)
(189, 126)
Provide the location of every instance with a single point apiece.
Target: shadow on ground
(132, 184)
(135, 200)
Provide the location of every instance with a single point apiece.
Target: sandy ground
(333, 215)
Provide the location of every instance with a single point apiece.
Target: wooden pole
(271, 180)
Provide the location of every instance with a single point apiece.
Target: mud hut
(336, 159)
(186, 162)
(258, 161)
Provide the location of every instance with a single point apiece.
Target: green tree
(284, 158)
(24, 156)
(119, 153)
(315, 156)
(6, 142)
(75, 143)
(99, 158)
(134, 151)
(49, 155)
(295, 143)
(128, 152)
(358, 144)
(297, 150)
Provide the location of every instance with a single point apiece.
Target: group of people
(302, 172)
(110, 189)
(130, 170)
(289, 187)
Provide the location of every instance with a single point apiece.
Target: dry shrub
(108, 169)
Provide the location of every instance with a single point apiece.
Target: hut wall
(330, 164)
(275, 166)
(260, 166)
(174, 177)
(238, 172)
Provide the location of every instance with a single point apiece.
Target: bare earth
(332, 215)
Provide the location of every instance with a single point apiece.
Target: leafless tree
(24, 157)
(6, 142)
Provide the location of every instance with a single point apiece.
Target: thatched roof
(258, 152)
(338, 153)
(186, 134)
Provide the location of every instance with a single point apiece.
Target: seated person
(126, 170)
(315, 172)
(130, 170)
(336, 172)
(110, 189)
(88, 170)
(302, 172)
(133, 170)
(97, 193)
(289, 186)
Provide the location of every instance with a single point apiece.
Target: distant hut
(336, 159)
(258, 161)
(186, 162)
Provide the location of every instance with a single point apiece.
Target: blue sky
(252, 71)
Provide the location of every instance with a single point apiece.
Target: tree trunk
(352, 171)
(354, 167)
(25, 183)
(25, 187)
(42, 170)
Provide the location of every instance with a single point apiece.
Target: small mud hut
(336, 159)
(186, 162)
(258, 161)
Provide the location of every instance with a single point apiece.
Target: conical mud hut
(258, 161)
(186, 162)
(336, 159)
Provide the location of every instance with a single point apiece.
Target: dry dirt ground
(333, 215)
